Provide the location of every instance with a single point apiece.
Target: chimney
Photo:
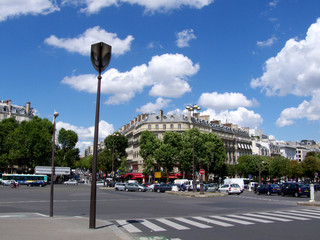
(28, 108)
(9, 106)
(161, 115)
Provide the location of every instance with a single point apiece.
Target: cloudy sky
(252, 63)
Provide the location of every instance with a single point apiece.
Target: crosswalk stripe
(152, 226)
(232, 220)
(250, 219)
(301, 215)
(312, 210)
(193, 223)
(305, 212)
(128, 226)
(268, 217)
(207, 220)
(284, 216)
(172, 224)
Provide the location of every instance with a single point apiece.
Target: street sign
(202, 171)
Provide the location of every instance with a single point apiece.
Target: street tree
(310, 165)
(148, 144)
(67, 153)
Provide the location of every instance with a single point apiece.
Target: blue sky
(255, 63)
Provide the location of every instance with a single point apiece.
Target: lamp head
(55, 114)
(100, 56)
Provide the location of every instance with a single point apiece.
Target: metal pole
(92, 222)
(259, 170)
(52, 165)
(201, 180)
(194, 187)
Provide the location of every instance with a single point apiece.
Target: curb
(310, 204)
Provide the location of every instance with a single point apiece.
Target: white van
(181, 181)
(238, 181)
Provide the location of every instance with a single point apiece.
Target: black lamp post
(55, 115)
(100, 59)
(191, 109)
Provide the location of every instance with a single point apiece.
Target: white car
(230, 188)
(70, 182)
(119, 186)
(101, 184)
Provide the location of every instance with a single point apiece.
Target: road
(173, 217)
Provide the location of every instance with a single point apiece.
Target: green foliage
(310, 165)
(124, 168)
(148, 144)
(66, 154)
(85, 162)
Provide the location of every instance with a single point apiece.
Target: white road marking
(268, 217)
(128, 226)
(152, 226)
(284, 216)
(172, 224)
(208, 220)
(232, 220)
(250, 219)
(193, 223)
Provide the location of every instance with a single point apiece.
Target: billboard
(47, 170)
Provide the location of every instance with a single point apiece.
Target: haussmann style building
(236, 140)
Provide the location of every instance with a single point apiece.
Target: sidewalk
(64, 228)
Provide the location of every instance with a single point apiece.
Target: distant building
(236, 140)
(89, 150)
(19, 113)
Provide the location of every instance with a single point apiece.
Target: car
(230, 188)
(269, 189)
(101, 184)
(119, 186)
(151, 187)
(9, 183)
(70, 182)
(204, 187)
(295, 189)
(212, 187)
(162, 187)
(135, 187)
(36, 184)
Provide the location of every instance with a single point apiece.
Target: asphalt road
(145, 214)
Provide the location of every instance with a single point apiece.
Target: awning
(175, 175)
(134, 175)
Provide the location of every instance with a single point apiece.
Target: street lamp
(100, 59)
(55, 115)
(112, 167)
(191, 109)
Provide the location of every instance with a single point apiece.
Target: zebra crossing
(208, 222)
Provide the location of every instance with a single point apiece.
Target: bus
(24, 178)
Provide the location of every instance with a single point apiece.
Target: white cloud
(184, 37)
(307, 109)
(242, 117)
(267, 43)
(225, 101)
(151, 6)
(82, 43)
(166, 74)
(85, 135)
(295, 69)
(154, 107)
(15, 8)
(273, 3)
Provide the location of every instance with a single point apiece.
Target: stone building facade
(236, 140)
(19, 113)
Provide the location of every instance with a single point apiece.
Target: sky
(254, 63)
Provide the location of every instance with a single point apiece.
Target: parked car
(9, 183)
(230, 188)
(119, 186)
(269, 189)
(135, 187)
(204, 187)
(212, 187)
(295, 189)
(151, 187)
(110, 183)
(256, 187)
(36, 184)
(70, 182)
(101, 184)
(162, 188)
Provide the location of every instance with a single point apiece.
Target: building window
(157, 126)
(149, 126)
(171, 126)
(164, 126)
(179, 126)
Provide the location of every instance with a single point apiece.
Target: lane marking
(250, 218)
(172, 224)
(208, 220)
(152, 226)
(232, 220)
(285, 216)
(268, 217)
(128, 226)
(193, 223)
